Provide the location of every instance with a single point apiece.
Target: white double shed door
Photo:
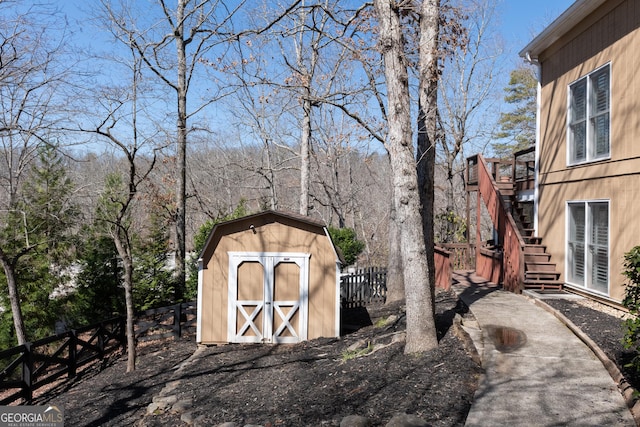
(268, 297)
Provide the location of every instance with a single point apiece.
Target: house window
(588, 245)
(589, 118)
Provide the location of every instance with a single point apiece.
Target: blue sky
(517, 22)
(521, 20)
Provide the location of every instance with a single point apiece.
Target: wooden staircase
(525, 262)
(539, 272)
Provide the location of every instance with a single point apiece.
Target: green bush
(631, 301)
(345, 239)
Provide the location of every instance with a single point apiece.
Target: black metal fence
(25, 368)
(365, 286)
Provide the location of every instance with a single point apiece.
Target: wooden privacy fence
(26, 368)
(365, 286)
(369, 285)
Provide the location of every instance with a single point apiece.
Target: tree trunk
(271, 178)
(421, 330)
(14, 299)
(427, 124)
(131, 334)
(124, 252)
(305, 166)
(395, 283)
(181, 190)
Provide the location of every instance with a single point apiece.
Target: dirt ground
(314, 383)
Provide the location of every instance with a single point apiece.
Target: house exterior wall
(609, 35)
(270, 237)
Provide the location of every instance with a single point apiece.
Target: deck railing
(512, 244)
(524, 169)
(519, 170)
(462, 255)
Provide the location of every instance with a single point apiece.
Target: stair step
(541, 275)
(534, 249)
(532, 239)
(536, 266)
(546, 284)
(537, 257)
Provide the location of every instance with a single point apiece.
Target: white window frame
(587, 120)
(587, 284)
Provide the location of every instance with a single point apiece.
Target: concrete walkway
(537, 372)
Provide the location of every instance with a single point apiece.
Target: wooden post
(478, 226)
(73, 353)
(122, 336)
(27, 371)
(467, 264)
(101, 333)
(177, 316)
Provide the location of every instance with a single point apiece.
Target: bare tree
(466, 90)
(339, 158)
(310, 61)
(120, 127)
(31, 74)
(421, 331)
(262, 112)
(173, 47)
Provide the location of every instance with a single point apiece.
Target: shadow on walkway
(471, 287)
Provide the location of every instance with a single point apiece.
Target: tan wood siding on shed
(282, 236)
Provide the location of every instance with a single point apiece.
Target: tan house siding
(611, 22)
(624, 231)
(262, 235)
(609, 35)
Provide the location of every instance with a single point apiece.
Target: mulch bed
(105, 394)
(315, 383)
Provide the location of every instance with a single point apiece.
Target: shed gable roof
(258, 220)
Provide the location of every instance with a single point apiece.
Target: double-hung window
(589, 117)
(588, 245)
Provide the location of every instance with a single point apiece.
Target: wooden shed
(272, 277)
